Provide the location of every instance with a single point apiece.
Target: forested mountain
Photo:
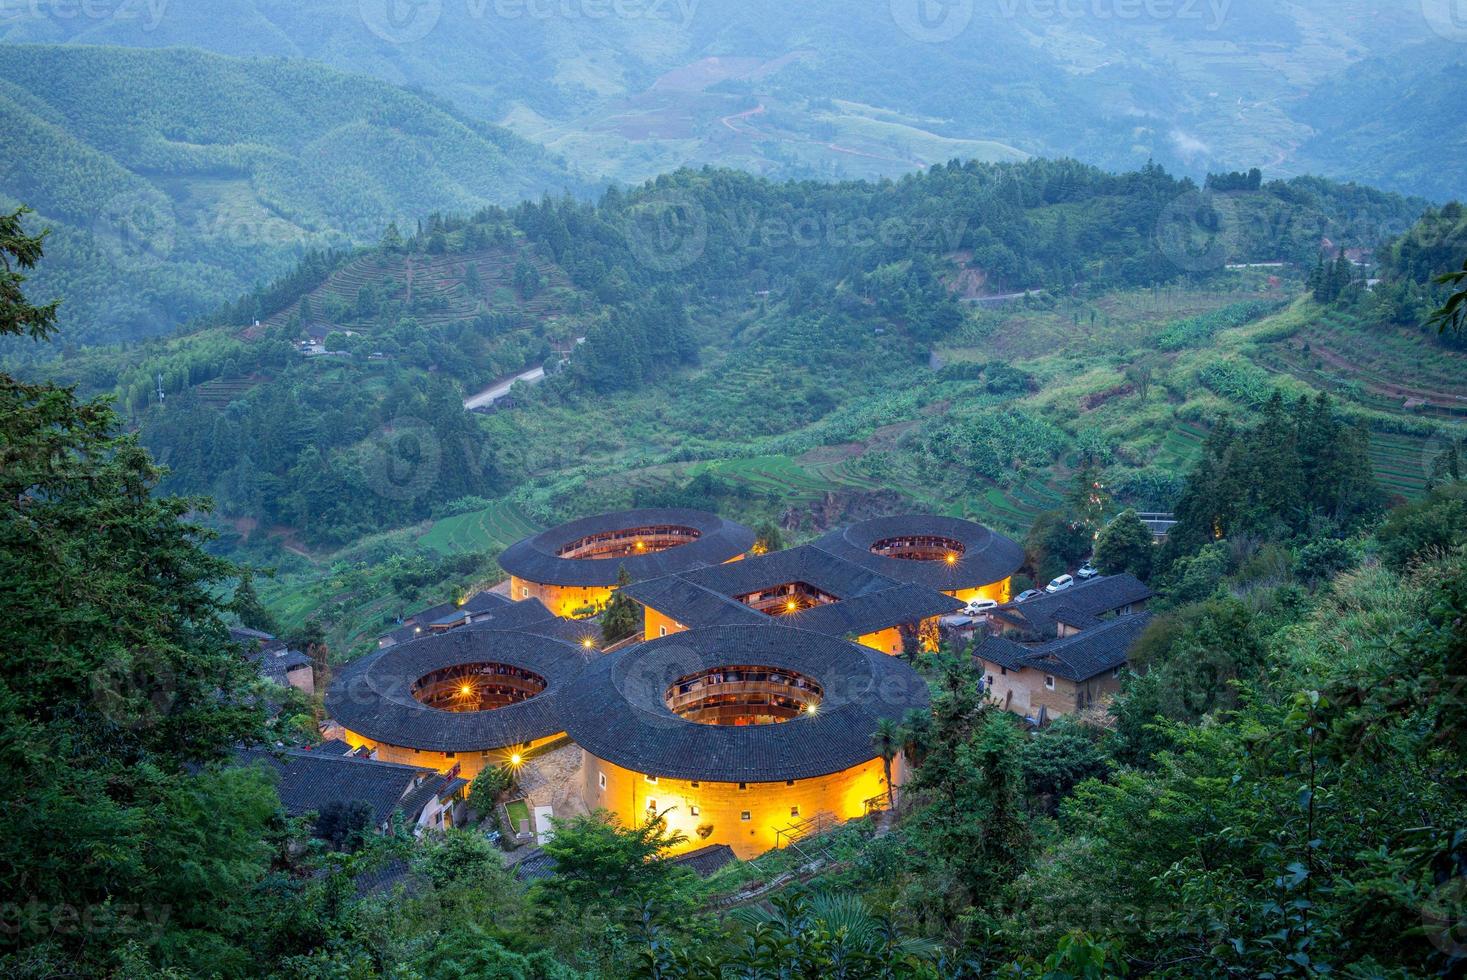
(727, 317)
(174, 181)
(831, 88)
(1397, 121)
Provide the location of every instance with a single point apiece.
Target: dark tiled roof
(311, 780)
(498, 615)
(868, 601)
(373, 696)
(1002, 652)
(437, 788)
(536, 866)
(616, 710)
(1077, 658)
(875, 611)
(705, 860)
(276, 665)
(692, 604)
(809, 564)
(536, 560)
(1080, 605)
(332, 746)
(987, 555)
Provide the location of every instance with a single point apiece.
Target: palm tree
(917, 734)
(887, 740)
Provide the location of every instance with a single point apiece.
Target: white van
(1060, 584)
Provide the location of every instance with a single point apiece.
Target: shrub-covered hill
(759, 342)
(175, 180)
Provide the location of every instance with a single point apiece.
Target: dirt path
(1437, 399)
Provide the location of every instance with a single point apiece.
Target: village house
(1061, 677)
(309, 780)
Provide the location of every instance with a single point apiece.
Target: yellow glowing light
(516, 759)
(809, 709)
(791, 606)
(588, 643)
(952, 559)
(641, 546)
(466, 690)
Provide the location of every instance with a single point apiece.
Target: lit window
(601, 778)
(794, 811)
(662, 631)
(695, 811)
(525, 592)
(1049, 682)
(744, 815)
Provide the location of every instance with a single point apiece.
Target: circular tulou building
(749, 736)
(469, 697)
(574, 568)
(963, 559)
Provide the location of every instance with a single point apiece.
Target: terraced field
(1181, 447)
(491, 529)
(1403, 463)
(438, 282)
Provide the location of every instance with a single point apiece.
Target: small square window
(525, 592)
(651, 804)
(601, 778)
(1049, 682)
(744, 816)
(695, 784)
(650, 779)
(794, 811)
(694, 810)
(449, 755)
(662, 631)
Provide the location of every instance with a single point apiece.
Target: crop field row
(491, 529)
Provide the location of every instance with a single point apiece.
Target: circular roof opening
(920, 547)
(477, 687)
(628, 542)
(743, 695)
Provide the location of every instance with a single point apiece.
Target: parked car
(1028, 594)
(1060, 584)
(1086, 572)
(979, 608)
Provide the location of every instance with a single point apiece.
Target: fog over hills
(637, 87)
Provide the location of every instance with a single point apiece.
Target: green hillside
(758, 348)
(174, 180)
(1398, 122)
(830, 88)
